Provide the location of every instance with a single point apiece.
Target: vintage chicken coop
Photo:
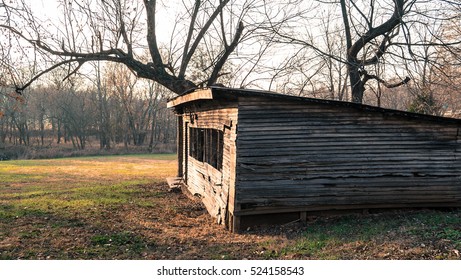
(255, 156)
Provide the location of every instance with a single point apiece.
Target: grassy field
(119, 207)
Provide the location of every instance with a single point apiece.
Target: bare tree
(436, 74)
(112, 31)
(375, 32)
(103, 110)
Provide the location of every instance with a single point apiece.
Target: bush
(4, 157)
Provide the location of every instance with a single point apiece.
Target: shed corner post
(235, 224)
(179, 145)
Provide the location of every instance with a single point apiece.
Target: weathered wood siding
(288, 156)
(302, 156)
(213, 186)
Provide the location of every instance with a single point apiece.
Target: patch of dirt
(182, 229)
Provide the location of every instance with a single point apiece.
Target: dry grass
(119, 207)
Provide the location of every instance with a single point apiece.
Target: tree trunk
(357, 85)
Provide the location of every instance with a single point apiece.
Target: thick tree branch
(223, 32)
(184, 62)
(151, 6)
(227, 51)
(175, 84)
(380, 30)
(148, 71)
(202, 32)
(385, 44)
(155, 71)
(347, 26)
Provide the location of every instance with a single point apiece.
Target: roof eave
(202, 94)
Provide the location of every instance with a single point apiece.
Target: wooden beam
(202, 94)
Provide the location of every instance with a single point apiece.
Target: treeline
(114, 113)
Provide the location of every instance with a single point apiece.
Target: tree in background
(136, 103)
(438, 74)
(375, 33)
(63, 116)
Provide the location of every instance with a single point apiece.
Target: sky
(45, 8)
(49, 9)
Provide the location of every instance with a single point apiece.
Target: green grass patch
(123, 244)
(64, 201)
(350, 228)
(79, 199)
(10, 212)
(437, 226)
(322, 238)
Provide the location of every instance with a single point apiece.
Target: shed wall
(216, 188)
(307, 157)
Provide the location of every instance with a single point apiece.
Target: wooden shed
(255, 156)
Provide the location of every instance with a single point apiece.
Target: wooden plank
(348, 181)
(204, 94)
(334, 161)
(174, 183)
(312, 208)
(345, 172)
(362, 155)
(357, 200)
(347, 190)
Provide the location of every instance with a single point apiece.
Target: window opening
(206, 145)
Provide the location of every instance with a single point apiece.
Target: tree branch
(367, 77)
(19, 89)
(227, 51)
(184, 62)
(202, 32)
(382, 29)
